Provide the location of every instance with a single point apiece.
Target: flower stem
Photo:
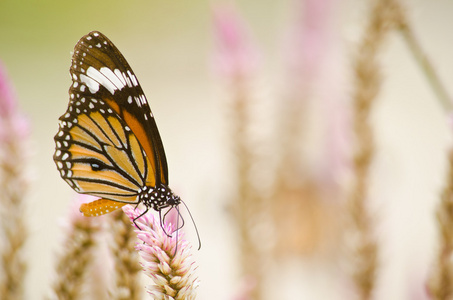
(127, 267)
(425, 65)
(73, 265)
(440, 285)
(14, 133)
(367, 79)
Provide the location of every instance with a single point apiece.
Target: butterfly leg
(138, 217)
(162, 222)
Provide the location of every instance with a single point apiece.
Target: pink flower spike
(13, 125)
(73, 220)
(246, 289)
(311, 37)
(235, 56)
(77, 254)
(14, 183)
(450, 121)
(7, 102)
(166, 259)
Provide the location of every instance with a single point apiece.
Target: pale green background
(169, 45)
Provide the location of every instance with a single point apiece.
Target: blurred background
(172, 47)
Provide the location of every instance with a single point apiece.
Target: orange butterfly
(108, 144)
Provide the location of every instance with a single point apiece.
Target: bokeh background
(170, 46)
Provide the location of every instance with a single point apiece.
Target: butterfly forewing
(99, 70)
(108, 144)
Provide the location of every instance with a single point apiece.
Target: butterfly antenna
(194, 225)
(180, 216)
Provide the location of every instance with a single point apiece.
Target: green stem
(426, 67)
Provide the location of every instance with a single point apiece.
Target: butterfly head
(158, 197)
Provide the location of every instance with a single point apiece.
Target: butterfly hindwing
(99, 207)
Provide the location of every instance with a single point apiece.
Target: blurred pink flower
(315, 71)
(14, 183)
(235, 56)
(337, 161)
(77, 254)
(246, 288)
(7, 103)
(13, 125)
(166, 259)
(311, 38)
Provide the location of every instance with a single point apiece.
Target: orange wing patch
(123, 161)
(97, 119)
(80, 135)
(79, 152)
(100, 207)
(139, 131)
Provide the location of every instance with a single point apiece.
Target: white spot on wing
(137, 100)
(128, 81)
(143, 99)
(120, 76)
(92, 85)
(100, 78)
(115, 77)
(132, 77)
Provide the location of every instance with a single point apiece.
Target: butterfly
(108, 144)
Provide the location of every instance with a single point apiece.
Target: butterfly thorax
(158, 197)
